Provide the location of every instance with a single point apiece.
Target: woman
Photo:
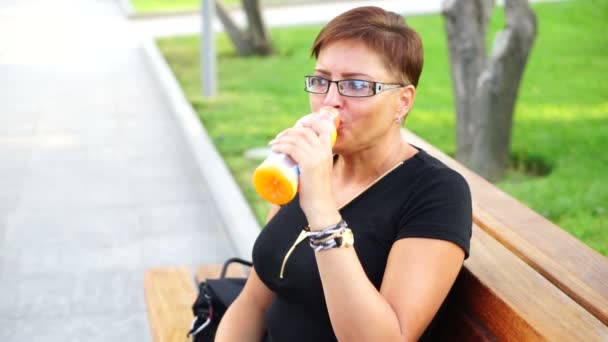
(409, 214)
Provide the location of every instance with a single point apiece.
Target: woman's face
(365, 121)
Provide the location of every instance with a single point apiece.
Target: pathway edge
(240, 223)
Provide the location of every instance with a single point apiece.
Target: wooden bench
(526, 279)
(170, 293)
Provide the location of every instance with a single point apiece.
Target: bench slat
(516, 303)
(569, 264)
(576, 288)
(169, 296)
(457, 325)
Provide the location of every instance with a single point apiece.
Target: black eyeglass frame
(377, 88)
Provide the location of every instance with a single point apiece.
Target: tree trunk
(253, 41)
(238, 38)
(486, 90)
(258, 37)
(466, 22)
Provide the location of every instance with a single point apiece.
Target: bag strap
(234, 260)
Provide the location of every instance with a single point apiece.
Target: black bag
(214, 298)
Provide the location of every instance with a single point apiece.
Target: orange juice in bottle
(276, 179)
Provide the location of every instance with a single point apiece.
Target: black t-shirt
(420, 198)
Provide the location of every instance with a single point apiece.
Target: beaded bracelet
(328, 237)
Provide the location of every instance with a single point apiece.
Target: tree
(485, 89)
(252, 41)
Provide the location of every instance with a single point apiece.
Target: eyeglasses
(350, 88)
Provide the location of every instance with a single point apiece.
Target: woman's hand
(308, 143)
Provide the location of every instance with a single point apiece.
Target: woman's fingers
(323, 128)
(305, 120)
(297, 142)
(320, 124)
(304, 147)
(305, 134)
(308, 143)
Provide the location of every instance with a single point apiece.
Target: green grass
(561, 115)
(155, 6)
(159, 6)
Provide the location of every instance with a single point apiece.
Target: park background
(107, 173)
(560, 134)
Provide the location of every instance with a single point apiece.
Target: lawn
(561, 116)
(156, 6)
(159, 6)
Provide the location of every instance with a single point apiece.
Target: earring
(398, 120)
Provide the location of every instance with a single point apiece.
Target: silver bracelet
(328, 237)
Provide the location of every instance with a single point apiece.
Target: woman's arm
(419, 271)
(418, 277)
(244, 319)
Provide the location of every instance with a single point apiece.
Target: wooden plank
(169, 294)
(569, 264)
(457, 325)
(212, 271)
(551, 269)
(515, 303)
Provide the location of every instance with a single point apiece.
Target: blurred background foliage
(560, 136)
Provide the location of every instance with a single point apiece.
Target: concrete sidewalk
(97, 182)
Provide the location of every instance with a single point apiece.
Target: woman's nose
(333, 97)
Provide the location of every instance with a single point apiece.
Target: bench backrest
(526, 278)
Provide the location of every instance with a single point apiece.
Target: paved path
(96, 180)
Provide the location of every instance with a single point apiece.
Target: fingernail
(271, 141)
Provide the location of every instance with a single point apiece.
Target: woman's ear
(405, 101)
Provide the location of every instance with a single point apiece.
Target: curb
(241, 226)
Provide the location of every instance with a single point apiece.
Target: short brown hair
(384, 32)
